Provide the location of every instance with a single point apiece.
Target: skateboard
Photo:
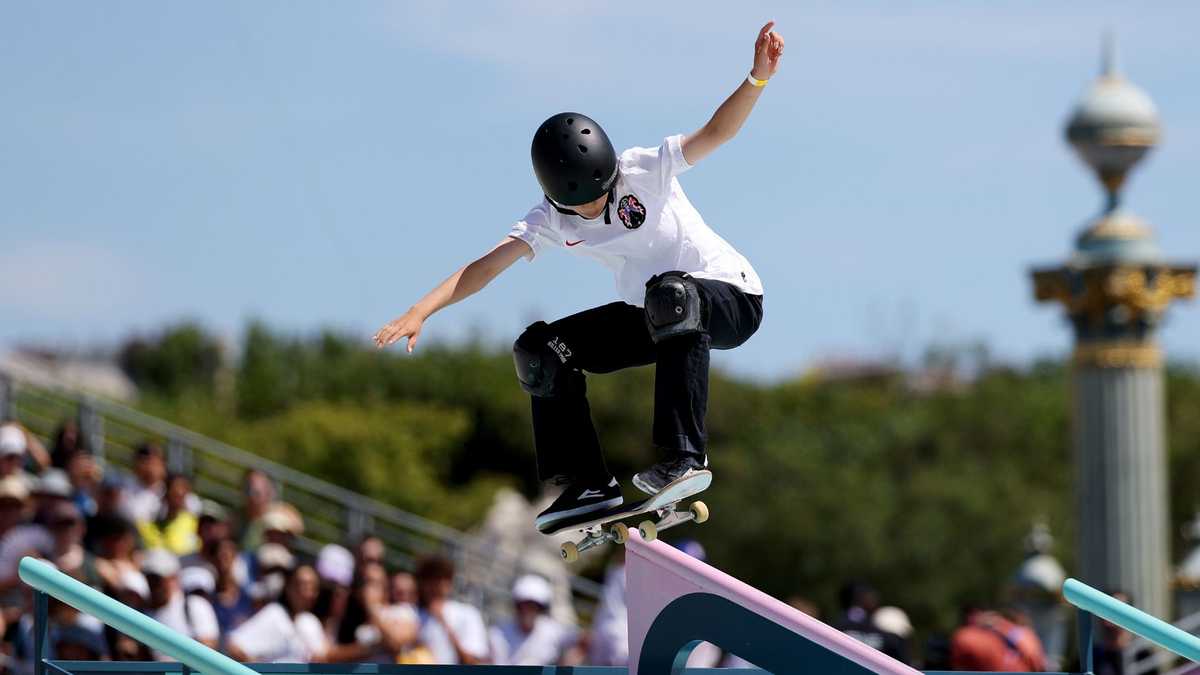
(607, 526)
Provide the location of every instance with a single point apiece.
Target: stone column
(1115, 288)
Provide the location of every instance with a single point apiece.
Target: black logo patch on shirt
(631, 212)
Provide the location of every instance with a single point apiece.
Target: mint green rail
(1132, 619)
(45, 578)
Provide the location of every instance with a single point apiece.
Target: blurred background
(206, 210)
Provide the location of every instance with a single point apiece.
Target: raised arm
(724, 125)
(466, 281)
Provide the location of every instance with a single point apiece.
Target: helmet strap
(566, 211)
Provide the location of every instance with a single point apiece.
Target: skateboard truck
(618, 533)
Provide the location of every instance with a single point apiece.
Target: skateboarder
(684, 291)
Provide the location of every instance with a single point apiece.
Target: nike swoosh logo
(576, 243)
(588, 494)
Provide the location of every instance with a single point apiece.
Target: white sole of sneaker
(550, 519)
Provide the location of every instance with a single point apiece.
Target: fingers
(389, 334)
(764, 37)
(412, 341)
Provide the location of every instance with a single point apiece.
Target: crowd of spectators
(236, 581)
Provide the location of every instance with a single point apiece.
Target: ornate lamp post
(1115, 288)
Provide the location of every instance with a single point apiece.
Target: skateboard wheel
(569, 552)
(620, 533)
(699, 511)
(648, 530)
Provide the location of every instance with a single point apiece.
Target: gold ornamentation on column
(1122, 354)
(1115, 286)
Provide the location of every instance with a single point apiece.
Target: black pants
(615, 336)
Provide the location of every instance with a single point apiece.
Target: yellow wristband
(755, 82)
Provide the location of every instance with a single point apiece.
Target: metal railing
(332, 514)
(1140, 657)
(48, 581)
(1128, 617)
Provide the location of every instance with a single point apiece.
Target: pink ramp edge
(657, 573)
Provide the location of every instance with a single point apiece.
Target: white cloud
(66, 280)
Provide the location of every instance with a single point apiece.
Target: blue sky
(320, 164)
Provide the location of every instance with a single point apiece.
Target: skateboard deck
(606, 526)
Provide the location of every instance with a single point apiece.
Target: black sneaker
(654, 479)
(577, 504)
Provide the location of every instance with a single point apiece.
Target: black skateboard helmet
(573, 159)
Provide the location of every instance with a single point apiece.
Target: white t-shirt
(272, 635)
(199, 621)
(654, 228)
(141, 504)
(468, 627)
(543, 646)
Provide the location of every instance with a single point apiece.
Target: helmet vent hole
(582, 148)
(572, 186)
(565, 136)
(570, 121)
(586, 131)
(596, 174)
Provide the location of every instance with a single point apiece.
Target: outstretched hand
(768, 49)
(406, 326)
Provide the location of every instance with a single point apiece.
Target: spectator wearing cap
(56, 535)
(116, 563)
(284, 631)
(260, 494)
(14, 443)
(453, 631)
(335, 567)
(532, 637)
(212, 528)
(374, 630)
(143, 499)
(281, 524)
(51, 487)
(14, 507)
(175, 527)
(14, 503)
(231, 599)
(272, 563)
(190, 615)
(893, 620)
(859, 602)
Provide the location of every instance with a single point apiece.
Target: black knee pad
(541, 360)
(672, 306)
